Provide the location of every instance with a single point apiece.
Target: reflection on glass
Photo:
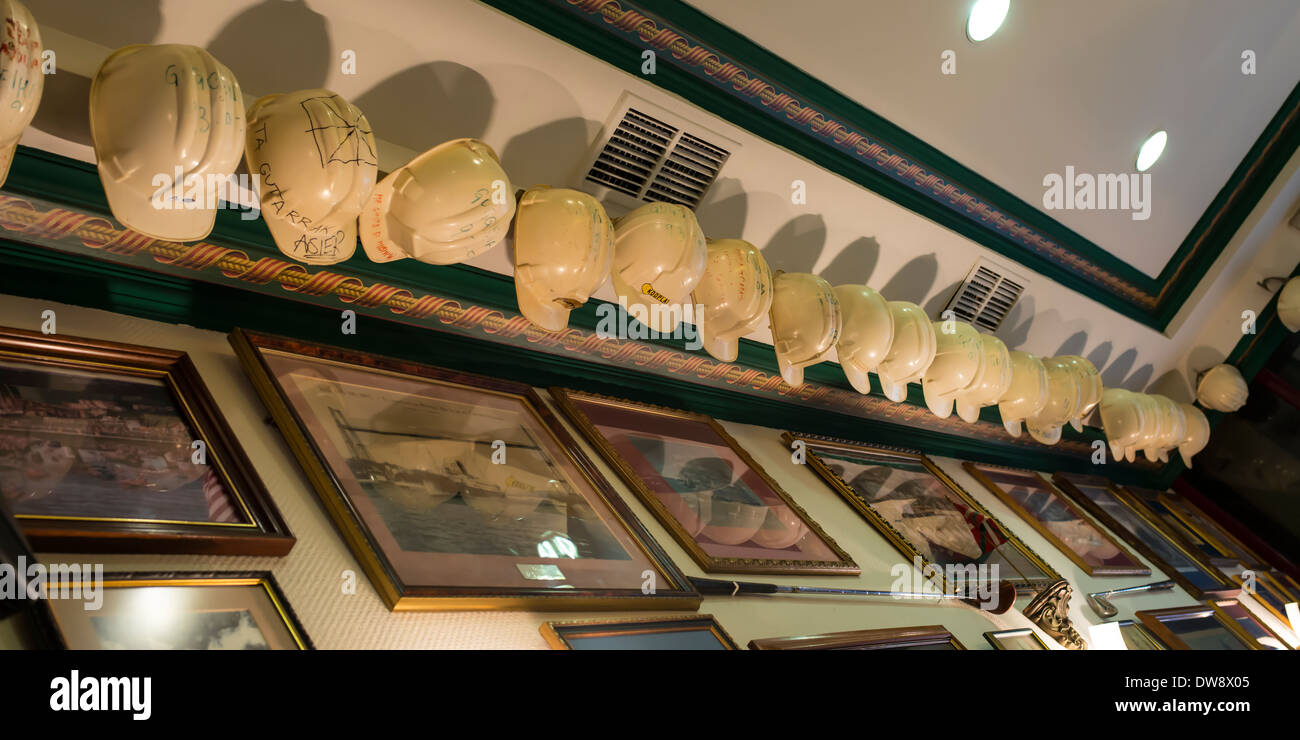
(1137, 638)
(1204, 633)
(1253, 626)
(1151, 537)
(692, 639)
(92, 445)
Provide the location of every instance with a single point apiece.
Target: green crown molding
(73, 252)
(732, 77)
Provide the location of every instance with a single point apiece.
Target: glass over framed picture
(928, 637)
(719, 504)
(109, 447)
(183, 611)
(1132, 522)
(693, 632)
(922, 511)
(1058, 520)
(1197, 530)
(1021, 639)
(1203, 627)
(457, 491)
(1253, 626)
(1136, 637)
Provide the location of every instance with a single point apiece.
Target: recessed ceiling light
(1151, 150)
(986, 18)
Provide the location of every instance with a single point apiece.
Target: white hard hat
(1063, 396)
(736, 293)
(1027, 393)
(910, 353)
(1197, 435)
(314, 155)
(1170, 429)
(564, 246)
(659, 257)
(1288, 304)
(990, 386)
(157, 110)
(445, 206)
(1122, 419)
(958, 363)
(805, 321)
(1090, 388)
(1223, 389)
(21, 77)
(867, 334)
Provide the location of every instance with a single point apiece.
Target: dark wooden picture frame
(887, 529)
(1154, 620)
(977, 471)
(566, 401)
(263, 533)
(564, 635)
(890, 638)
(264, 580)
(1069, 483)
(671, 588)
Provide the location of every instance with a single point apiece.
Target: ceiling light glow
(986, 18)
(1151, 150)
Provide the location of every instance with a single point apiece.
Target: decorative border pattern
(42, 224)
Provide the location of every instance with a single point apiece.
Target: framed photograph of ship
(110, 447)
(922, 512)
(719, 504)
(691, 632)
(182, 611)
(457, 491)
(1138, 527)
(1058, 520)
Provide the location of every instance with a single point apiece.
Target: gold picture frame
(1261, 633)
(980, 472)
(1157, 621)
(898, 539)
(571, 403)
(927, 637)
(1001, 640)
(567, 635)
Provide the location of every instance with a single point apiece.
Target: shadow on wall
(64, 108)
(914, 281)
(797, 246)
(547, 155)
(725, 210)
(253, 46)
(113, 24)
(855, 263)
(425, 105)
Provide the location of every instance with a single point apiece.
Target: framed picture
(1268, 590)
(25, 624)
(183, 611)
(1144, 533)
(1203, 627)
(929, 637)
(117, 448)
(457, 491)
(1021, 639)
(922, 511)
(1058, 520)
(693, 632)
(719, 504)
(1258, 631)
(1136, 637)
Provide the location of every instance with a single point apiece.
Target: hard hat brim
(545, 314)
(289, 239)
(7, 153)
(721, 348)
(858, 378)
(374, 224)
(166, 224)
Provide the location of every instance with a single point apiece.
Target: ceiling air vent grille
(986, 296)
(650, 157)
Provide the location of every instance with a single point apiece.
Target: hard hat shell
(1170, 429)
(22, 77)
(449, 204)
(1223, 389)
(564, 247)
(910, 353)
(1288, 304)
(659, 257)
(1122, 419)
(736, 293)
(1197, 434)
(1063, 395)
(867, 333)
(1027, 394)
(991, 384)
(314, 155)
(157, 108)
(805, 321)
(1090, 388)
(958, 363)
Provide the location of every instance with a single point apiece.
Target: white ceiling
(1062, 83)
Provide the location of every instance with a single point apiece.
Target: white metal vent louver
(987, 295)
(649, 155)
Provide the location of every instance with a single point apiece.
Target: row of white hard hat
(1152, 424)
